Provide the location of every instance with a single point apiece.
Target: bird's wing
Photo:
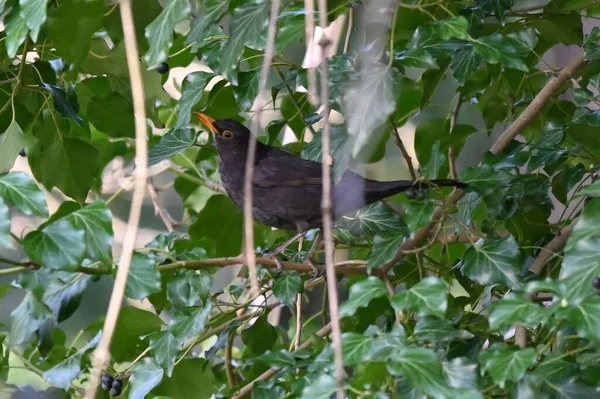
(278, 168)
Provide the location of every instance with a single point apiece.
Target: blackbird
(287, 189)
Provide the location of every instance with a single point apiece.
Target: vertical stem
(451, 155)
(336, 340)
(101, 354)
(309, 30)
(249, 255)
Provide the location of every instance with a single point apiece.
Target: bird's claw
(279, 266)
(316, 272)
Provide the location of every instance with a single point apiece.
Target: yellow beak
(207, 121)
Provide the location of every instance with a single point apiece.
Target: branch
(158, 208)
(101, 354)
(248, 220)
(407, 157)
(272, 371)
(336, 333)
(532, 110)
(309, 30)
(453, 119)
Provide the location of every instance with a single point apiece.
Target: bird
(286, 189)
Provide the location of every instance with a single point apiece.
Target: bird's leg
(311, 252)
(274, 253)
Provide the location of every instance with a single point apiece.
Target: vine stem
(336, 334)
(249, 254)
(102, 352)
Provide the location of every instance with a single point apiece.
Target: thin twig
(101, 354)
(298, 321)
(206, 183)
(453, 119)
(550, 249)
(349, 31)
(271, 372)
(390, 290)
(228, 349)
(327, 225)
(158, 208)
(407, 158)
(309, 31)
(249, 254)
(532, 110)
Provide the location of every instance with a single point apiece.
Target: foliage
(440, 324)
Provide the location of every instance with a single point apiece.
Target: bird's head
(228, 133)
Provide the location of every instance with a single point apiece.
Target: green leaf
(132, 325)
(368, 103)
(11, 143)
(144, 277)
(185, 326)
(164, 348)
(259, 337)
(186, 288)
(246, 27)
(20, 192)
(418, 213)
(464, 63)
(493, 262)
(581, 263)
(514, 309)
(65, 103)
(506, 364)
(58, 245)
(339, 150)
(81, 16)
(457, 27)
(96, 220)
(361, 293)
(192, 378)
(145, 376)
(502, 49)
(31, 315)
(484, 179)
(174, 142)
(561, 28)
(434, 331)
(592, 190)
(321, 387)
(6, 240)
(247, 89)
(461, 373)
(191, 92)
(356, 348)
(585, 316)
(428, 297)
(160, 32)
(33, 12)
(286, 287)
(279, 360)
(16, 31)
(385, 247)
(422, 369)
(200, 24)
(112, 114)
(373, 219)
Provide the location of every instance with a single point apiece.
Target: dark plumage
(287, 189)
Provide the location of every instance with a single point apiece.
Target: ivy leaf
(385, 247)
(585, 316)
(434, 330)
(592, 190)
(5, 237)
(498, 48)
(428, 297)
(361, 293)
(31, 315)
(498, 8)
(164, 348)
(247, 24)
(59, 245)
(260, 336)
(198, 27)
(144, 277)
(506, 364)
(515, 309)
(279, 360)
(186, 326)
(423, 370)
(192, 378)
(16, 31)
(132, 325)
(321, 387)
(112, 114)
(20, 192)
(339, 150)
(187, 287)
(457, 27)
(464, 62)
(11, 143)
(96, 220)
(286, 287)
(368, 103)
(247, 89)
(160, 32)
(493, 262)
(191, 92)
(356, 347)
(461, 373)
(173, 142)
(418, 213)
(581, 263)
(145, 376)
(484, 179)
(65, 103)
(373, 219)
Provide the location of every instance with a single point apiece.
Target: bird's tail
(378, 190)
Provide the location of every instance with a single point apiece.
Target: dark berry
(420, 194)
(410, 194)
(22, 152)
(106, 381)
(117, 384)
(596, 283)
(163, 68)
(114, 392)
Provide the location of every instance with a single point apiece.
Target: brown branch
(532, 110)
(102, 354)
(453, 119)
(298, 321)
(158, 208)
(349, 31)
(309, 31)
(272, 371)
(248, 178)
(228, 348)
(407, 158)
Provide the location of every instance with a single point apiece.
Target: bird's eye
(227, 134)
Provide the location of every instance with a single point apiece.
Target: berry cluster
(596, 284)
(114, 386)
